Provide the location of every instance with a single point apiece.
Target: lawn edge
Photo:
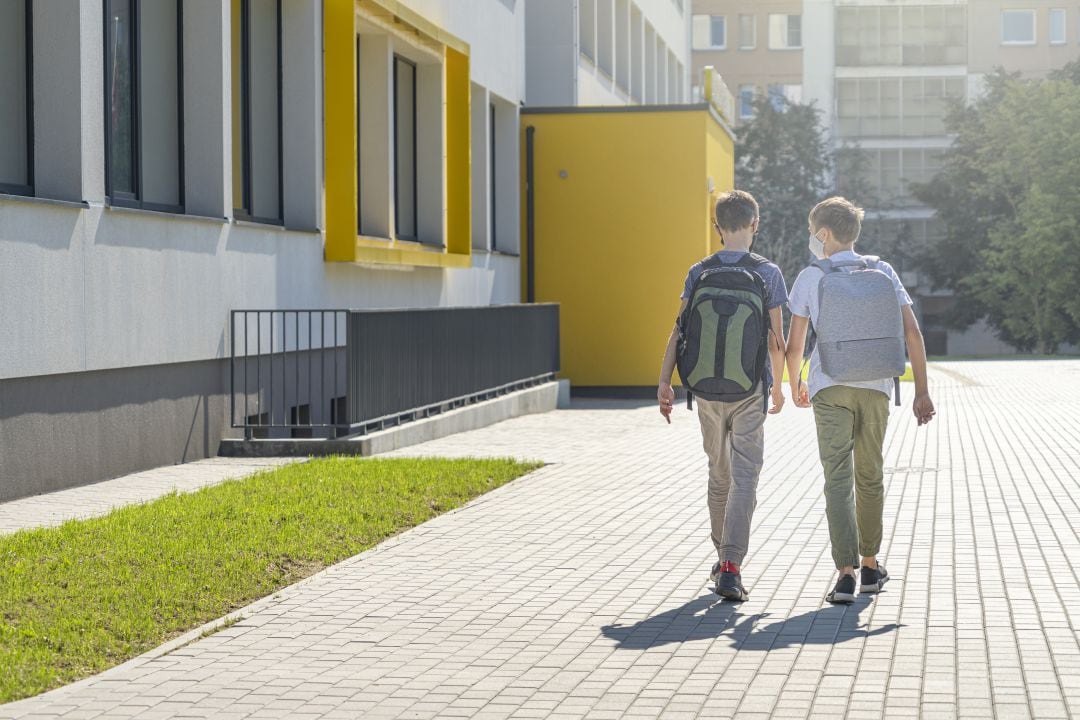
(237, 616)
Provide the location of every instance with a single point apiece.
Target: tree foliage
(783, 160)
(1008, 197)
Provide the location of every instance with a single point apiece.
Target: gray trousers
(734, 439)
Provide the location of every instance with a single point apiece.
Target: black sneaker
(714, 574)
(844, 591)
(729, 586)
(872, 579)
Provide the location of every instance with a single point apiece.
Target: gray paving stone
(580, 591)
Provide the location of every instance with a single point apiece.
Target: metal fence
(314, 373)
(288, 371)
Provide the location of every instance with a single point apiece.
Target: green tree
(1007, 196)
(782, 158)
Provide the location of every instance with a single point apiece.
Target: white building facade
(163, 162)
(608, 52)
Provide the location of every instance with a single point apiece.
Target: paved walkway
(580, 591)
(101, 498)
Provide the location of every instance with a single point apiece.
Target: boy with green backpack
(728, 344)
(863, 318)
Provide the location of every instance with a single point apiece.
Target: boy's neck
(837, 249)
(738, 241)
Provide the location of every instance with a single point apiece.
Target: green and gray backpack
(724, 331)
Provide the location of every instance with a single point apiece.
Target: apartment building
(755, 46)
(884, 74)
(163, 162)
(607, 52)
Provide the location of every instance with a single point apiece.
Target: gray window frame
(712, 32)
(134, 200)
(397, 161)
(247, 202)
(28, 187)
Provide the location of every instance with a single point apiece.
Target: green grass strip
(85, 596)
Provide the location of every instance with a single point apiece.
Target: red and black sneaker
(729, 585)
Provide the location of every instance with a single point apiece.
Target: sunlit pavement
(581, 590)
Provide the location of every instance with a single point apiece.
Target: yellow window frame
(343, 244)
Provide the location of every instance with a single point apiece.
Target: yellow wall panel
(339, 73)
(622, 211)
(458, 154)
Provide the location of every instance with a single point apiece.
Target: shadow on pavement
(707, 617)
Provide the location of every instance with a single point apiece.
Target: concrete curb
(541, 398)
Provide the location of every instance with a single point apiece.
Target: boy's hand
(923, 407)
(777, 400)
(665, 395)
(801, 395)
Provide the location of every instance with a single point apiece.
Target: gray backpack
(860, 325)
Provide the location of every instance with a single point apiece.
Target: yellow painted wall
(616, 235)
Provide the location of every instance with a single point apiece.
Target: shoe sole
(841, 598)
(875, 588)
(732, 594)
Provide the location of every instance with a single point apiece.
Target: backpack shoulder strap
(753, 260)
(825, 265)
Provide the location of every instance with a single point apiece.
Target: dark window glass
(360, 222)
(144, 103)
(718, 31)
(120, 37)
(16, 116)
(260, 107)
(494, 180)
(405, 149)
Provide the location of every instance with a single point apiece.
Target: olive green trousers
(851, 432)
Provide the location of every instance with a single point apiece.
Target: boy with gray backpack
(863, 318)
(728, 344)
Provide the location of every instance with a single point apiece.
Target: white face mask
(817, 247)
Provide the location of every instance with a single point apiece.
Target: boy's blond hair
(841, 216)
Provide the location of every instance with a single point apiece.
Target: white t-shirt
(804, 303)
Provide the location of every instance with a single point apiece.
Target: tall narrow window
(260, 111)
(1058, 19)
(785, 32)
(746, 101)
(360, 211)
(493, 183)
(709, 32)
(405, 202)
(747, 32)
(718, 31)
(587, 28)
(16, 108)
(144, 104)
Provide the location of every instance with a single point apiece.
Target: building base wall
(60, 431)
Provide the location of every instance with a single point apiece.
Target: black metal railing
(308, 373)
(288, 371)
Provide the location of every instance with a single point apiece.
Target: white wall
(558, 75)
(551, 48)
(89, 289)
(84, 287)
(495, 31)
(819, 54)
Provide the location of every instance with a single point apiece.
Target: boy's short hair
(839, 215)
(736, 210)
